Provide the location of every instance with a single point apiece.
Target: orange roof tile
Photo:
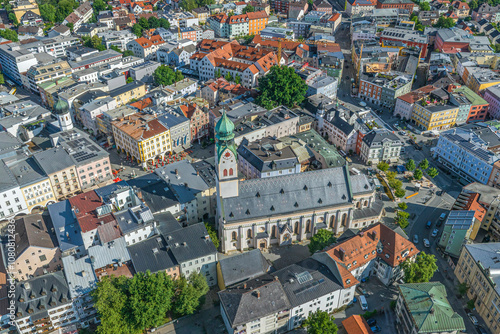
(141, 104)
(188, 110)
(416, 95)
(261, 14)
(356, 324)
(140, 126)
(355, 252)
(334, 17)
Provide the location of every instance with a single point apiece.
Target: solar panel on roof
(303, 277)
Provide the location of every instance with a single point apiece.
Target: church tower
(61, 109)
(226, 158)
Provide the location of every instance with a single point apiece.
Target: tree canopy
(213, 235)
(248, 9)
(320, 322)
(320, 240)
(164, 75)
(424, 164)
(418, 174)
(410, 165)
(421, 270)
(383, 166)
(432, 172)
(9, 34)
(48, 12)
(189, 5)
(445, 22)
(136, 304)
(281, 86)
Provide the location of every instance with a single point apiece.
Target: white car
(415, 239)
(435, 233)
(427, 243)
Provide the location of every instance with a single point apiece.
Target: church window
(224, 172)
(249, 234)
(230, 172)
(233, 236)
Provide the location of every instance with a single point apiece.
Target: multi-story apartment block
(198, 119)
(61, 170)
(44, 302)
(16, 60)
(91, 110)
(413, 318)
(404, 103)
(38, 74)
(146, 48)
(383, 88)
(396, 36)
(124, 94)
(472, 107)
(12, 201)
(405, 5)
(91, 161)
(49, 90)
(492, 96)
(355, 7)
(141, 136)
(460, 227)
(180, 130)
(257, 21)
(434, 116)
(120, 38)
(466, 152)
(478, 267)
(478, 78)
(381, 145)
(36, 250)
(55, 46)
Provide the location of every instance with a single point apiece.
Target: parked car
(481, 330)
(427, 243)
(428, 225)
(375, 329)
(363, 303)
(435, 233)
(473, 319)
(442, 216)
(371, 322)
(415, 239)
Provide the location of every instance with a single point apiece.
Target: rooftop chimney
(257, 292)
(341, 254)
(176, 172)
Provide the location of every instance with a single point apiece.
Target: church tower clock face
(227, 155)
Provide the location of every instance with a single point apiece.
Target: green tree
(432, 172)
(186, 299)
(320, 322)
(150, 299)
(320, 240)
(95, 42)
(418, 174)
(228, 77)
(218, 74)
(48, 12)
(402, 205)
(237, 79)
(248, 9)
(137, 30)
(98, 5)
(178, 76)
(463, 288)
(310, 3)
(13, 18)
(410, 165)
(2, 79)
(213, 235)
(473, 4)
(163, 75)
(424, 6)
(9, 34)
(110, 301)
(424, 164)
(128, 53)
(199, 282)
(395, 183)
(70, 26)
(143, 22)
(383, 166)
(64, 8)
(153, 22)
(402, 218)
(421, 270)
(130, 80)
(471, 304)
(445, 22)
(281, 86)
(400, 192)
(164, 23)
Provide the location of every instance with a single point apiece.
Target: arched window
(308, 226)
(273, 232)
(296, 228)
(358, 205)
(230, 172)
(366, 203)
(224, 173)
(233, 236)
(249, 234)
(344, 219)
(332, 221)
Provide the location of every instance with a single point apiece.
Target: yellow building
(141, 136)
(49, 89)
(34, 183)
(478, 78)
(124, 94)
(257, 21)
(23, 6)
(478, 266)
(433, 116)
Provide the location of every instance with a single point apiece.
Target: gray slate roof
(191, 242)
(111, 252)
(377, 137)
(289, 193)
(243, 305)
(26, 171)
(41, 294)
(152, 254)
(66, 228)
(54, 160)
(242, 267)
(79, 274)
(154, 192)
(319, 281)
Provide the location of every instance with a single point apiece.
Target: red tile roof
(355, 252)
(356, 324)
(334, 17)
(188, 110)
(84, 206)
(416, 95)
(261, 14)
(141, 104)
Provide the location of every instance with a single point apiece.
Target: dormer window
(348, 281)
(366, 256)
(349, 266)
(354, 263)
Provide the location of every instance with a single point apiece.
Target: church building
(276, 211)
